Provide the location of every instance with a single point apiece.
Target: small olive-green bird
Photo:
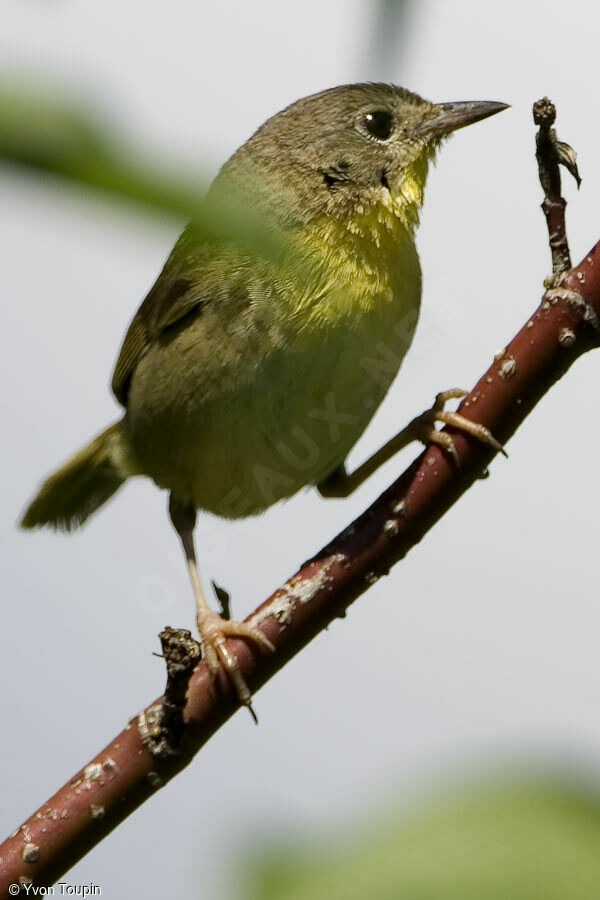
(244, 377)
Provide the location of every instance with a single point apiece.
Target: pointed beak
(453, 116)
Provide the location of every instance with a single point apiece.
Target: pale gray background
(489, 630)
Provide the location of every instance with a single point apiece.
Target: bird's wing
(173, 296)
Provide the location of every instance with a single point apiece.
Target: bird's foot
(425, 424)
(214, 631)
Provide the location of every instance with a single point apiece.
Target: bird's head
(351, 147)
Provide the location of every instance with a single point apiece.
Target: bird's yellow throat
(369, 257)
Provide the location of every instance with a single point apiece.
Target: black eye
(379, 123)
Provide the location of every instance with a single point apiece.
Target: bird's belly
(301, 425)
(237, 442)
(291, 428)
(291, 425)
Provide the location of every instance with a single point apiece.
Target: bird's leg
(422, 428)
(213, 628)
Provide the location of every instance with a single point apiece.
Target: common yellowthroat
(244, 378)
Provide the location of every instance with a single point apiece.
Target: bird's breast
(293, 405)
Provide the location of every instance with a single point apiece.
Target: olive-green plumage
(80, 486)
(245, 378)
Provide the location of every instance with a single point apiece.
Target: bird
(246, 376)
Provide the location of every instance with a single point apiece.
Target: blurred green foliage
(528, 840)
(52, 135)
(60, 137)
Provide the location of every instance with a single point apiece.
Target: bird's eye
(379, 124)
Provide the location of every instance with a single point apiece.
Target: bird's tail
(86, 481)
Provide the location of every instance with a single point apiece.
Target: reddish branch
(132, 766)
(550, 154)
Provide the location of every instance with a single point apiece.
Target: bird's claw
(437, 413)
(214, 631)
